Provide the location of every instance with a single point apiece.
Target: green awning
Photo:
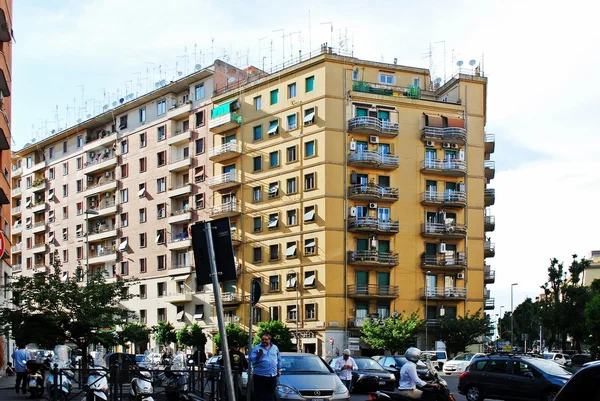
(222, 109)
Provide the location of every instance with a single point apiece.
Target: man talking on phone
(344, 366)
(266, 365)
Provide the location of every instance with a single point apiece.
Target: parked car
(459, 363)
(307, 377)
(437, 356)
(393, 364)
(561, 359)
(583, 385)
(370, 376)
(213, 369)
(580, 359)
(507, 377)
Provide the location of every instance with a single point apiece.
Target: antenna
(282, 30)
(331, 24)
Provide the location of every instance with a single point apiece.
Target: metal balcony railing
(373, 123)
(373, 290)
(449, 196)
(372, 224)
(456, 259)
(102, 252)
(99, 160)
(444, 165)
(229, 207)
(373, 191)
(225, 178)
(229, 147)
(444, 292)
(444, 134)
(443, 229)
(373, 257)
(373, 157)
(489, 246)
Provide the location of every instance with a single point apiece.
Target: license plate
(316, 399)
(33, 383)
(382, 383)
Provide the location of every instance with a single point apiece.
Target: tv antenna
(331, 31)
(282, 30)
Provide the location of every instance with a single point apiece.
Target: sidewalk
(7, 389)
(7, 382)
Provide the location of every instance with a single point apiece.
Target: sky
(73, 56)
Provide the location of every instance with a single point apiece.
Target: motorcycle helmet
(413, 354)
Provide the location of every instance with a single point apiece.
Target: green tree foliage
(281, 334)
(234, 333)
(136, 333)
(191, 336)
(394, 334)
(460, 332)
(164, 333)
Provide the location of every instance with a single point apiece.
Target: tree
(191, 336)
(281, 334)
(460, 332)
(233, 333)
(136, 333)
(592, 317)
(394, 334)
(164, 333)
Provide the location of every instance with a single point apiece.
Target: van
(439, 356)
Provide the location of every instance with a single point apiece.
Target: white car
(459, 363)
(561, 359)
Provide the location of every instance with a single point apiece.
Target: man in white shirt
(344, 366)
(409, 378)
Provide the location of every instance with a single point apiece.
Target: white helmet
(413, 354)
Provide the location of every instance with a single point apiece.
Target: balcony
(372, 258)
(100, 164)
(445, 261)
(16, 210)
(41, 268)
(17, 229)
(373, 291)
(101, 140)
(17, 172)
(180, 164)
(490, 143)
(177, 270)
(38, 185)
(179, 297)
(179, 137)
(489, 249)
(372, 225)
(373, 159)
(224, 152)
(102, 187)
(236, 238)
(17, 268)
(105, 208)
(489, 196)
(489, 167)
(180, 216)
(372, 192)
(454, 135)
(37, 167)
(489, 304)
(39, 227)
(179, 242)
(489, 223)
(356, 322)
(456, 293)
(224, 181)
(373, 126)
(450, 199)
(16, 248)
(224, 122)
(180, 189)
(38, 247)
(102, 233)
(229, 298)
(102, 256)
(443, 230)
(489, 275)
(39, 207)
(228, 209)
(449, 168)
(16, 193)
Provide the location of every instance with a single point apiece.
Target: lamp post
(499, 327)
(426, 299)
(512, 312)
(87, 244)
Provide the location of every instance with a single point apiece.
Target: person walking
(344, 366)
(237, 358)
(20, 357)
(266, 364)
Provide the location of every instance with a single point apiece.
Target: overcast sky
(541, 60)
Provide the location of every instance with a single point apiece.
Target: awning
(273, 221)
(310, 215)
(51, 194)
(123, 246)
(273, 127)
(434, 121)
(180, 315)
(309, 118)
(199, 316)
(290, 251)
(199, 171)
(79, 229)
(455, 122)
(142, 192)
(4, 145)
(291, 282)
(51, 236)
(310, 280)
(64, 276)
(273, 190)
(158, 238)
(222, 109)
(309, 243)
(28, 220)
(27, 202)
(4, 84)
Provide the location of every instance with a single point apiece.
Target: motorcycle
(176, 385)
(141, 386)
(59, 380)
(441, 393)
(97, 382)
(35, 378)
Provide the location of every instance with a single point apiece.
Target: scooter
(441, 393)
(176, 385)
(35, 378)
(59, 380)
(97, 382)
(141, 387)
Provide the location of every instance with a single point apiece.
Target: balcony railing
(224, 122)
(445, 167)
(458, 259)
(373, 191)
(489, 304)
(232, 207)
(490, 196)
(226, 148)
(376, 88)
(99, 184)
(444, 292)
(17, 172)
(39, 224)
(16, 191)
(373, 124)
(443, 229)
(228, 297)
(356, 321)
(373, 258)
(449, 197)
(16, 210)
(100, 159)
(102, 252)
(230, 177)
(490, 143)
(489, 275)
(489, 223)
(372, 224)
(373, 158)
(373, 290)
(16, 248)
(489, 248)
(179, 238)
(106, 204)
(448, 134)
(17, 268)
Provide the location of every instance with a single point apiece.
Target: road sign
(223, 250)
(353, 340)
(331, 340)
(354, 347)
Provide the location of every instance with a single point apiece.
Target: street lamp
(499, 327)
(426, 298)
(87, 244)
(512, 312)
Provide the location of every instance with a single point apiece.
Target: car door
(389, 364)
(494, 378)
(524, 381)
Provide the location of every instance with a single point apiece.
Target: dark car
(508, 377)
(580, 359)
(393, 364)
(583, 385)
(370, 376)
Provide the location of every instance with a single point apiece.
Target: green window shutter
(230, 138)
(431, 249)
(383, 246)
(274, 96)
(257, 134)
(361, 112)
(362, 277)
(383, 114)
(222, 109)
(362, 244)
(310, 84)
(383, 278)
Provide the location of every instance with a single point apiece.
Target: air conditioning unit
(373, 139)
(372, 205)
(353, 211)
(28, 226)
(460, 276)
(446, 145)
(106, 151)
(430, 144)
(454, 146)
(90, 179)
(372, 112)
(352, 145)
(442, 248)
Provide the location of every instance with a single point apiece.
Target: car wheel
(549, 394)
(473, 394)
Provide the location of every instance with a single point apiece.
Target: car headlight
(392, 376)
(283, 391)
(341, 390)
(361, 376)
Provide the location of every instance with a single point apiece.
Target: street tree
(164, 333)
(460, 332)
(135, 333)
(395, 333)
(281, 334)
(191, 336)
(234, 333)
(592, 317)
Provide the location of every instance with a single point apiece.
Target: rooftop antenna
(331, 31)
(282, 30)
(444, 42)
(212, 50)
(82, 92)
(259, 49)
(292, 44)
(138, 83)
(309, 35)
(271, 55)
(147, 70)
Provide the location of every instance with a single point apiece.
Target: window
(387, 79)
(355, 74)
(309, 116)
(143, 265)
(310, 84)
(161, 210)
(65, 147)
(123, 122)
(309, 181)
(273, 220)
(124, 146)
(274, 159)
(309, 214)
(161, 133)
(257, 223)
(291, 186)
(161, 185)
(200, 117)
(79, 252)
(291, 154)
(257, 133)
(142, 213)
(161, 289)
(292, 91)
(291, 250)
(65, 255)
(310, 246)
(124, 195)
(199, 92)
(274, 313)
(199, 312)
(79, 185)
(292, 312)
(79, 163)
(28, 182)
(310, 278)
(65, 212)
(258, 103)
(199, 201)
(143, 316)
(257, 163)
(124, 268)
(51, 173)
(274, 96)
(124, 220)
(310, 312)
(257, 254)
(274, 252)
(291, 122)
(256, 194)
(309, 149)
(124, 170)
(142, 114)
(199, 145)
(273, 190)
(143, 242)
(160, 236)
(79, 141)
(161, 158)
(199, 174)
(291, 218)
(273, 127)
(65, 168)
(257, 315)
(143, 165)
(273, 283)
(143, 294)
(161, 107)
(161, 262)
(496, 366)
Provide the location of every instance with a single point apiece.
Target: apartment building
(6, 27)
(592, 272)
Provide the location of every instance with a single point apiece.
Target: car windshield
(551, 368)
(367, 364)
(303, 363)
(463, 357)
(548, 356)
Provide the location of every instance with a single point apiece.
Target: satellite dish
(180, 73)
(438, 80)
(157, 85)
(89, 116)
(472, 63)
(197, 67)
(78, 120)
(33, 140)
(230, 80)
(130, 96)
(121, 100)
(459, 63)
(114, 104)
(163, 82)
(105, 107)
(53, 132)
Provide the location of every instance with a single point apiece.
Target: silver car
(308, 377)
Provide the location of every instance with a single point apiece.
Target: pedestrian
(344, 366)
(9, 369)
(237, 358)
(266, 364)
(20, 357)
